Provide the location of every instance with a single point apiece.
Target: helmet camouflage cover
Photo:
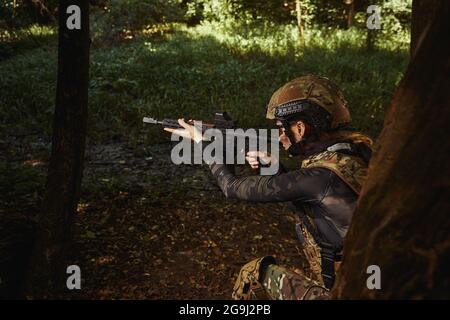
(318, 90)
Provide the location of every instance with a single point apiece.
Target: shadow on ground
(148, 229)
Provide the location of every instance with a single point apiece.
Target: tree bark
(423, 12)
(401, 222)
(301, 32)
(52, 252)
(370, 40)
(349, 12)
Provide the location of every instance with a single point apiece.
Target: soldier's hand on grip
(257, 158)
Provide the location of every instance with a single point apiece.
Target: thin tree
(401, 222)
(298, 10)
(371, 32)
(55, 225)
(349, 12)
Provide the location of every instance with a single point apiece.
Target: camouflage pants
(262, 278)
(282, 284)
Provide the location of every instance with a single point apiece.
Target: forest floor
(149, 229)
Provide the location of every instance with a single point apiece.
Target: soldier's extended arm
(242, 140)
(301, 184)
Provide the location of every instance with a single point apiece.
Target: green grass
(17, 41)
(194, 72)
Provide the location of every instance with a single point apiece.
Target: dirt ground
(149, 229)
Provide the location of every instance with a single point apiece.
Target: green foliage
(249, 11)
(25, 25)
(28, 89)
(20, 183)
(326, 13)
(20, 13)
(122, 18)
(14, 41)
(236, 57)
(396, 21)
(134, 14)
(197, 71)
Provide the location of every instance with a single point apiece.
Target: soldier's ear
(301, 126)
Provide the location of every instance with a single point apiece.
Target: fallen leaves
(88, 235)
(160, 231)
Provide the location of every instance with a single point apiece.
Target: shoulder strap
(351, 169)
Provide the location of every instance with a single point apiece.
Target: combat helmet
(315, 99)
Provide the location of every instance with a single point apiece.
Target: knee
(248, 282)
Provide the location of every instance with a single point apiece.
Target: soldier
(311, 114)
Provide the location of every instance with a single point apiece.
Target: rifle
(227, 126)
(222, 121)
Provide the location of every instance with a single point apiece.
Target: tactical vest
(351, 169)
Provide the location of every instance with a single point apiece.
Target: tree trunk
(401, 223)
(423, 12)
(370, 40)
(52, 253)
(349, 12)
(301, 32)
(372, 32)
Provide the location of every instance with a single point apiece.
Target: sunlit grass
(34, 30)
(280, 39)
(270, 40)
(40, 30)
(194, 72)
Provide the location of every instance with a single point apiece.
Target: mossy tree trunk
(52, 251)
(402, 223)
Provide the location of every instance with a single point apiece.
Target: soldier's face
(298, 131)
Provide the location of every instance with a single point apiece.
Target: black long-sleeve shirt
(331, 202)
